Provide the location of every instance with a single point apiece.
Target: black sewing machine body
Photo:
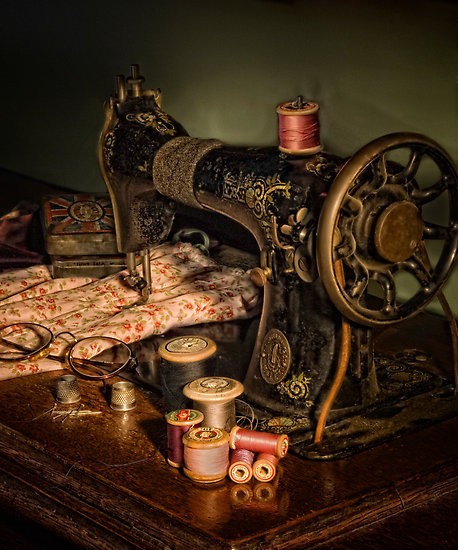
(332, 235)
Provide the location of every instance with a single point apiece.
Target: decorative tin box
(80, 235)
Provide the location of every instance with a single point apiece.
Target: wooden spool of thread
(206, 454)
(178, 423)
(183, 359)
(299, 127)
(265, 467)
(215, 397)
(240, 468)
(259, 442)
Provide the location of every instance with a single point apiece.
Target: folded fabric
(188, 288)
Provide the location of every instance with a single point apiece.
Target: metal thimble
(122, 396)
(67, 389)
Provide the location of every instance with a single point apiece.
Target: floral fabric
(188, 288)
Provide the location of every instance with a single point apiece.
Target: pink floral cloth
(188, 288)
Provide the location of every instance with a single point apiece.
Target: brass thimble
(67, 389)
(122, 396)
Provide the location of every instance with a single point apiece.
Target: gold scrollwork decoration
(296, 387)
(159, 121)
(258, 193)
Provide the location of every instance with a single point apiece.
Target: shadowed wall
(375, 67)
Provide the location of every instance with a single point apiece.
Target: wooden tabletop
(103, 481)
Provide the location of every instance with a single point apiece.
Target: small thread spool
(206, 454)
(183, 359)
(259, 442)
(215, 397)
(240, 468)
(67, 389)
(265, 467)
(123, 396)
(178, 423)
(299, 127)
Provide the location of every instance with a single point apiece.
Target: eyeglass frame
(130, 364)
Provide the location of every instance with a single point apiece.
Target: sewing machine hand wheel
(373, 235)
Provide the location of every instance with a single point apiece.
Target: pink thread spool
(206, 454)
(259, 442)
(299, 127)
(178, 423)
(265, 467)
(240, 469)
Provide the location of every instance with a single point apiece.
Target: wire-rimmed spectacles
(92, 357)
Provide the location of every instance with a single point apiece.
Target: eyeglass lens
(99, 357)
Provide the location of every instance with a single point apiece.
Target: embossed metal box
(80, 235)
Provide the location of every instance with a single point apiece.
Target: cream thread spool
(183, 359)
(123, 396)
(178, 423)
(206, 454)
(215, 397)
(67, 389)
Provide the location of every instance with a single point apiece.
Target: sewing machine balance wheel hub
(391, 202)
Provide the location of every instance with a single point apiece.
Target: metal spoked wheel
(388, 232)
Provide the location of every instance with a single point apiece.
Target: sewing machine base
(384, 422)
(410, 398)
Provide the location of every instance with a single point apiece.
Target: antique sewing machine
(336, 240)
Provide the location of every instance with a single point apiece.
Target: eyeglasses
(92, 358)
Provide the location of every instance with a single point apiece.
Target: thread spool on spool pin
(183, 359)
(178, 423)
(206, 454)
(215, 397)
(299, 127)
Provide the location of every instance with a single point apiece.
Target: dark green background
(375, 66)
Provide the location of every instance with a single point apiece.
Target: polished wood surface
(103, 481)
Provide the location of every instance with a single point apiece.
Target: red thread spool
(259, 442)
(265, 467)
(178, 423)
(206, 454)
(299, 127)
(240, 469)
